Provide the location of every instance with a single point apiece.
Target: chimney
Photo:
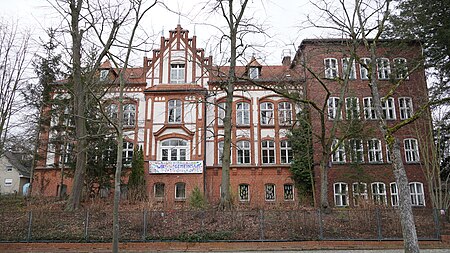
(286, 57)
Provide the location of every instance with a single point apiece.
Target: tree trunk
(324, 204)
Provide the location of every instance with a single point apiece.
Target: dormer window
(103, 74)
(253, 73)
(177, 73)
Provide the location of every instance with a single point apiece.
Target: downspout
(204, 143)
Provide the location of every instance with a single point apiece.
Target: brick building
(174, 110)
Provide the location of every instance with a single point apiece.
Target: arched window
(243, 152)
(411, 150)
(174, 150)
(242, 113)
(174, 111)
(266, 113)
(284, 113)
(129, 115)
(379, 193)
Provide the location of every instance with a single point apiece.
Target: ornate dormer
(104, 70)
(254, 68)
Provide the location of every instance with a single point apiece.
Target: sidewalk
(331, 246)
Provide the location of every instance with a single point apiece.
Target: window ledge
(180, 200)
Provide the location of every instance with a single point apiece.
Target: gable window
(417, 196)
(384, 69)
(8, 168)
(340, 194)
(331, 68)
(174, 112)
(379, 193)
(374, 151)
(129, 115)
(411, 150)
(244, 192)
(112, 111)
(405, 107)
(363, 67)
(174, 150)
(388, 107)
(270, 192)
(369, 108)
(8, 182)
(220, 152)
(338, 155)
(345, 65)
(127, 152)
(177, 73)
(243, 113)
(243, 152)
(266, 113)
(400, 68)
(288, 192)
(180, 191)
(394, 194)
(359, 191)
(268, 152)
(253, 72)
(286, 151)
(284, 113)
(159, 190)
(352, 108)
(357, 150)
(221, 107)
(333, 104)
(103, 74)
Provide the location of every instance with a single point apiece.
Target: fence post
(86, 226)
(30, 222)
(436, 217)
(319, 214)
(261, 224)
(144, 220)
(378, 218)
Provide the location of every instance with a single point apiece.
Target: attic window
(103, 74)
(253, 73)
(9, 168)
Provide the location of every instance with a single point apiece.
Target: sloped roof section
(15, 162)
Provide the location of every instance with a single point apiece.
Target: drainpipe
(204, 143)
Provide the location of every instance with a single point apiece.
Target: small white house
(13, 175)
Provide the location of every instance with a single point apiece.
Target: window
(369, 109)
(331, 68)
(180, 191)
(286, 151)
(388, 107)
(394, 194)
(8, 182)
(127, 152)
(8, 168)
(345, 63)
(103, 74)
(112, 111)
(243, 152)
(243, 113)
(333, 104)
(220, 151)
(411, 151)
(253, 73)
(340, 194)
(384, 70)
(339, 153)
(159, 190)
(174, 115)
(374, 148)
(177, 73)
(270, 192)
(284, 113)
(221, 107)
(174, 150)
(66, 153)
(268, 152)
(357, 150)
(288, 192)
(379, 193)
(363, 67)
(243, 191)
(417, 196)
(359, 191)
(67, 117)
(352, 108)
(266, 113)
(388, 155)
(129, 114)
(400, 68)
(405, 107)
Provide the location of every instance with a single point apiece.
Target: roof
(274, 73)
(15, 162)
(343, 40)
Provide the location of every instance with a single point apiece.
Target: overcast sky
(282, 18)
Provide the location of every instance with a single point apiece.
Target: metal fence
(211, 225)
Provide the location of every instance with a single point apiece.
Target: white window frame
(127, 152)
(405, 107)
(9, 168)
(352, 74)
(174, 111)
(363, 71)
(113, 111)
(285, 152)
(369, 109)
(177, 150)
(244, 187)
(401, 68)
(221, 107)
(379, 193)
(8, 182)
(356, 146)
(268, 152)
(411, 150)
(350, 111)
(267, 113)
(286, 196)
(285, 113)
(388, 107)
(66, 153)
(374, 151)
(383, 68)
(333, 105)
(417, 194)
(243, 151)
(253, 72)
(340, 194)
(242, 114)
(220, 151)
(268, 197)
(129, 115)
(394, 193)
(104, 74)
(358, 194)
(388, 156)
(177, 189)
(338, 155)
(177, 73)
(331, 68)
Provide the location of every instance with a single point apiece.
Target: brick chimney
(286, 57)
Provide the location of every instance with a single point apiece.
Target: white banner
(175, 166)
